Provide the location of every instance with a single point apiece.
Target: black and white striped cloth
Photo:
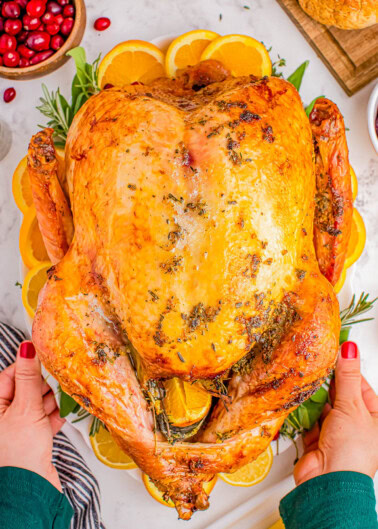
(78, 483)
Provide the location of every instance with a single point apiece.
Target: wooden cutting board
(350, 55)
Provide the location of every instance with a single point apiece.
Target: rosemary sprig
(354, 310)
(95, 426)
(55, 106)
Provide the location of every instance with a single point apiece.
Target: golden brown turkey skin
(193, 244)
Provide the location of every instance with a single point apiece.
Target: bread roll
(344, 14)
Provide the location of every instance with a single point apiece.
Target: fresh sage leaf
(296, 77)
(320, 396)
(67, 404)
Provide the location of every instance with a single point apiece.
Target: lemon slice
(242, 55)
(187, 49)
(131, 61)
(357, 239)
(160, 497)
(33, 282)
(108, 452)
(340, 282)
(354, 183)
(21, 188)
(32, 247)
(185, 403)
(252, 473)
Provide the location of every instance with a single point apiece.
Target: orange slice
(159, 496)
(357, 239)
(187, 49)
(278, 525)
(21, 189)
(185, 403)
(130, 61)
(108, 452)
(33, 282)
(252, 473)
(241, 54)
(340, 283)
(32, 248)
(354, 183)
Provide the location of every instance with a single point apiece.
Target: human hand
(347, 437)
(29, 417)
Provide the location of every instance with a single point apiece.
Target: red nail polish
(349, 350)
(27, 350)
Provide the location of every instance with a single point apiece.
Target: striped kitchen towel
(78, 483)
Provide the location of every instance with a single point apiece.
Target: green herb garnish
(56, 107)
(309, 108)
(67, 404)
(296, 77)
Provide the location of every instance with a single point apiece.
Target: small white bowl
(372, 110)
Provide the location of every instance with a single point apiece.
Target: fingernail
(349, 350)
(27, 350)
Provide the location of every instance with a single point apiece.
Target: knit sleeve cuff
(28, 500)
(338, 500)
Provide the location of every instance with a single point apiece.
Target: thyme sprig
(348, 316)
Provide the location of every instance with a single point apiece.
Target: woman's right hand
(347, 437)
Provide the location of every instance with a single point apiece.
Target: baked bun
(344, 14)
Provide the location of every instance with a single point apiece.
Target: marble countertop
(125, 502)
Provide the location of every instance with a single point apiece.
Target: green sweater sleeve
(338, 500)
(29, 501)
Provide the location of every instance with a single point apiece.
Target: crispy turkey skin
(193, 207)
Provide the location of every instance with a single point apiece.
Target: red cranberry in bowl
(63, 2)
(102, 23)
(68, 11)
(21, 37)
(13, 26)
(23, 62)
(1, 24)
(22, 3)
(56, 42)
(48, 18)
(67, 26)
(41, 56)
(30, 23)
(1, 60)
(59, 19)
(11, 59)
(7, 43)
(36, 8)
(25, 52)
(38, 41)
(10, 10)
(9, 94)
(52, 29)
(54, 7)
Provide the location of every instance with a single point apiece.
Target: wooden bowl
(59, 57)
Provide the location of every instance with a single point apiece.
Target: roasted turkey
(197, 232)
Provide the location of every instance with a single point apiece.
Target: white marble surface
(125, 503)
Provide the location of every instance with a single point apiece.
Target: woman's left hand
(29, 417)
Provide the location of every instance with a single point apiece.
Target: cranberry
(59, 19)
(41, 56)
(52, 29)
(25, 52)
(13, 26)
(11, 59)
(21, 37)
(57, 42)
(9, 95)
(24, 62)
(48, 18)
(41, 27)
(67, 26)
(102, 23)
(108, 85)
(38, 41)
(36, 8)
(1, 60)
(54, 8)
(10, 10)
(1, 25)
(63, 2)
(30, 23)
(68, 11)
(7, 43)
(22, 3)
